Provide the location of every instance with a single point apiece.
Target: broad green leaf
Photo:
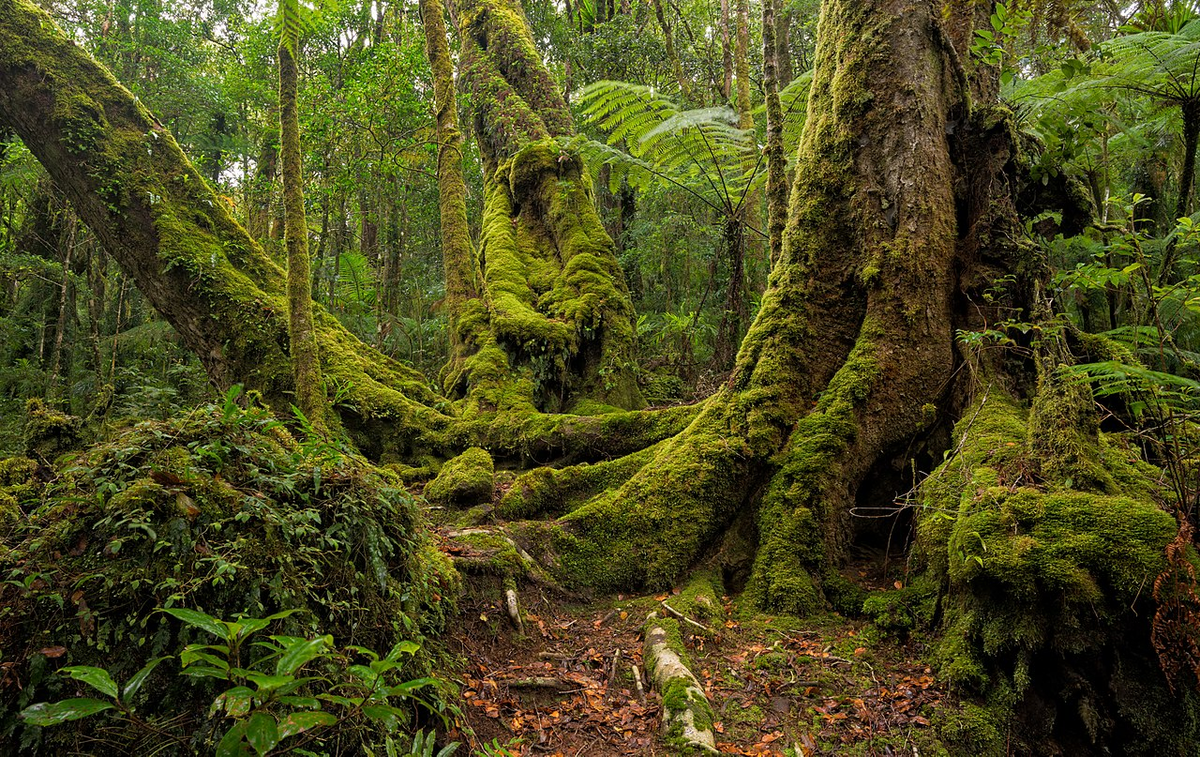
(134, 684)
(262, 732)
(192, 655)
(404, 647)
(53, 713)
(200, 620)
(343, 701)
(263, 681)
(386, 714)
(97, 678)
(200, 671)
(413, 685)
(296, 655)
(299, 722)
(231, 743)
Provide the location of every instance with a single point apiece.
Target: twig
(614, 669)
(686, 619)
(637, 682)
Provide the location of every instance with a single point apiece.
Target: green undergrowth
(221, 510)
(1046, 538)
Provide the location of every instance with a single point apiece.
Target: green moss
(549, 491)
(971, 729)
(48, 433)
(464, 481)
(1043, 581)
(902, 611)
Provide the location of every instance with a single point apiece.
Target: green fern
(701, 151)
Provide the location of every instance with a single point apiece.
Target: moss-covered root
(687, 714)
(464, 481)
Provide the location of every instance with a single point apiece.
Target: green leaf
(47, 713)
(97, 678)
(134, 684)
(409, 686)
(386, 714)
(299, 722)
(194, 654)
(296, 655)
(262, 732)
(263, 681)
(231, 743)
(201, 620)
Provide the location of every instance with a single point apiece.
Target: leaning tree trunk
(158, 218)
(553, 325)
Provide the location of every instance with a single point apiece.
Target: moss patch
(464, 481)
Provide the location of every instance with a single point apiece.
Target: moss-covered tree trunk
(852, 350)
(159, 219)
(553, 325)
(458, 257)
(777, 188)
(306, 362)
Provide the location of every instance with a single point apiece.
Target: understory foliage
(215, 509)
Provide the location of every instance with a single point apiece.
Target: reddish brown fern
(1175, 632)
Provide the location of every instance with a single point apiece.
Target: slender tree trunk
(751, 250)
(306, 365)
(726, 53)
(458, 255)
(776, 159)
(685, 89)
(67, 243)
(783, 48)
(1187, 175)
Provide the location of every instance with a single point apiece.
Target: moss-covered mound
(1048, 588)
(464, 481)
(221, 511)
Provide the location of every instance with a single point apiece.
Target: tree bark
(685, 89)
(776, 159)
(852, 345)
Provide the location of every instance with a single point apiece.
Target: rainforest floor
(566, 686)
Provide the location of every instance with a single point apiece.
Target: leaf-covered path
(568, 685)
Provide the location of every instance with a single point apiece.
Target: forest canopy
(356, 321)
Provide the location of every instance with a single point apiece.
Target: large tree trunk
(554, 323)
(850, 351)
(158, 218)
